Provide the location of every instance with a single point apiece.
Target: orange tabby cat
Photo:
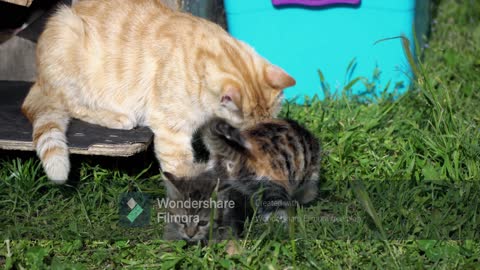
(123, 63)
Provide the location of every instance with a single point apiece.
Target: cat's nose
(191, 231)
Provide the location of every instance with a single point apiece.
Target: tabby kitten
(280, 157)
(264, 168)
(193, 224)
(128, 63)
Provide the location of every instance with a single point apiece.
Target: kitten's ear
(278, 78)
(231, 98)
(172, 191)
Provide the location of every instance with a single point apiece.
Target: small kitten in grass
(127, 63)
(226, 220)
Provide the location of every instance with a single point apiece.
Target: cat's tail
(50, 120)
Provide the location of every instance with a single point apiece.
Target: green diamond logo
(134, 209)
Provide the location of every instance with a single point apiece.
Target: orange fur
(259, 162)
(39, 131)
(124, 63)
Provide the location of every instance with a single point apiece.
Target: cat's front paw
(122, 122)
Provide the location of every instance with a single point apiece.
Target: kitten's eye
(229, 165)
(202, 223)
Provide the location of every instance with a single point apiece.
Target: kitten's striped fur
(227, 222)
(124, 63)
(279, 155)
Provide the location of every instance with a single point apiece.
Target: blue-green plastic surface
(302, 40)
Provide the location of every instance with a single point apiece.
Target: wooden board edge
(113, 150)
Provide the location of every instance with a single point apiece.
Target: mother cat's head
(251, 89)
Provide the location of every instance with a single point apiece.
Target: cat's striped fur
(279, 156)
(124, 63)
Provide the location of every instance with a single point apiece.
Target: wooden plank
(83, 138)
(25, 3)
(114, 150)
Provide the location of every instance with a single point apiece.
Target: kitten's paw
(280, 215)
(232, 248)
(221, 128)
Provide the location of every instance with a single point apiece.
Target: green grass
(417, 206)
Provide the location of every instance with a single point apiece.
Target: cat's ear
(172, 191)
(231, 98)
(278, 78)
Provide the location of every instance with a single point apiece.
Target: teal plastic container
(303, 40)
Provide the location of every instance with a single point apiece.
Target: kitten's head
(251, 89)
(191, 224)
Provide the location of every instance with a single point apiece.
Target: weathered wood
(83, 138)
(212, 10)
(115, 150)
(17, 59)
(25, 3)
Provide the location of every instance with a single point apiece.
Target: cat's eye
(202, 223)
